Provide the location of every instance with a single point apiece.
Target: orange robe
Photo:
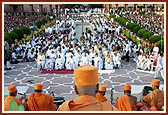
(155, 98)
(8, 99)
(41, 102)
(100, 97)
(123, 103)
(86, 103)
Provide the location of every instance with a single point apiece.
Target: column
(155, 7)
(50, 9)
(136, 7)
(126, 7)
(116, 6)
(146, 8)
(107, 6)
(41, 9)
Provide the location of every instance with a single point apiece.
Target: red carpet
(57, 71)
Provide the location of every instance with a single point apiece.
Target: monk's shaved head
(86, 90)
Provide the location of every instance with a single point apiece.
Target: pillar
(50, 9)
(116, 6)
(146, 8)
(155, 7)
(136, 7)
(41, 9)
(126, 7)
(107, 7)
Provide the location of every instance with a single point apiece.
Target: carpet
(57, 71)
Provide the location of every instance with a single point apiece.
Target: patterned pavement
(25, 75)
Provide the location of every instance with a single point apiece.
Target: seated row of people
(70, 61)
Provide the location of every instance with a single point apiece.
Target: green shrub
(137, 42)
(133, 39)
(142, 12)
(28, 38)
(147, 35)
(131, 26)
(155, 38)
(8, 37)
(161, 43)
(141, 32)
(136, 29)
(112, 15)
(19, 32)
(43, 21)
(13, 35)
(26, 30)
(38, 24)
(44, 13)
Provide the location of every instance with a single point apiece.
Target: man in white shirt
(49, 63)
(159, 66)
(156, 51)
(40, 61)
(108, 63)
(98, 62)
(59, 62)
(70, 63)
(117, 60)
(84, 60)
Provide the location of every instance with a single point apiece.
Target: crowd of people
(11, 21)
(103, 46)
(91, 96)
(150, 22)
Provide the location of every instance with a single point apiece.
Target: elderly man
(156, 97)
(40, 101)
(12, 96)
(86, 87)
(126, 102)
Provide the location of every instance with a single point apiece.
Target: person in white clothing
(70, 63)
(108, 63)
(147, 63)
(155, 50)
(84, 60)
(159, 67)
(116, 60)
(98, 62)
(49, 63)
(40, 61)
(59, 62)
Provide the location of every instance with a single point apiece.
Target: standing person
(12, 96)
(126, 102)
(127, 52)
(40, 61)
(159, 66)
(156, 97)
(155, 50)
(39, 101)
(86, 87)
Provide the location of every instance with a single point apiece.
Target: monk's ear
(97, 88)
(76, 91)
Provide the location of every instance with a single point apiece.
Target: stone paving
(26, 74)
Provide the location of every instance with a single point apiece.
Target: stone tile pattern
(62, 84)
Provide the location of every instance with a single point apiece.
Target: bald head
(87, 90)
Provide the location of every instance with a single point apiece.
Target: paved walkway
(25, 75)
